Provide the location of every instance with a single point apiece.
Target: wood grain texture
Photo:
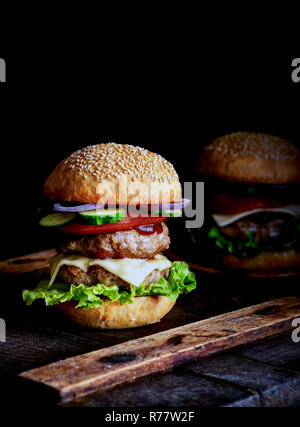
(105, 368)
(224, 379)
(27, 263)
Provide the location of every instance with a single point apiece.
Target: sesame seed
(255, 145)
(113, 160)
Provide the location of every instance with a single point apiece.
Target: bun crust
(143, 311)
(265, 262)
(114, 174)
(251, 157)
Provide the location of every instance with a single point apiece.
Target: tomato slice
(227, 204)
(125, 224)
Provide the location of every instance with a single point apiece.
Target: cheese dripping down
(131, 270)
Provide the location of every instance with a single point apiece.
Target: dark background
(170, 84)
(172, 98)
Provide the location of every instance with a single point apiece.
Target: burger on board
(255, 212)
(111, 272)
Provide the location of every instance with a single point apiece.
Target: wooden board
(105, 368)
(260, 374)
(27, 263)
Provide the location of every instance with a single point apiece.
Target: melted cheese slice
(133, 271)
(223, 220)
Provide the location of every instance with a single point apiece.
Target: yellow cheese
(60, 260)
(131, 270)
(223, 220)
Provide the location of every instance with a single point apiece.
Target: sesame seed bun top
(114, 174)
(251, 157)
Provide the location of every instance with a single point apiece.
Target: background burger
(111, 273)
(253, 220)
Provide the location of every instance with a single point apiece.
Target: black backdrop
(173, 102)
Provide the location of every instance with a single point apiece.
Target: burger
(253, 220)
(112, 202)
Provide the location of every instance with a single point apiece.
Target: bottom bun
(265, 262)
(143, 311)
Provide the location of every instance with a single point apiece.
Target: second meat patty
(96, 274)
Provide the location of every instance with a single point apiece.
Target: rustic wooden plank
(283, 395)
(226, 379)
(241, 371)
(178, 388)
(107, 367)
(27, 350)
(275, 385)
(282, 352)
(27, 263)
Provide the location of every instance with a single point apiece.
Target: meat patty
(266, 226)
(121, 244)
(96, 274)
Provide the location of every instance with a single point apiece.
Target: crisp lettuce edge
(247, 247)
(180, 281)
(237, 246)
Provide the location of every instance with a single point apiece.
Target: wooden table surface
(266, 373)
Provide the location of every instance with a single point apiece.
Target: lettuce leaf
(180, 281)
(250, 246)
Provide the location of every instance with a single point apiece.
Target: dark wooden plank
(227, 379)
(275, 386)
(107, 367)
(282, 352)
(21, 352)
(172, 389)
(27, 263)
(241, 371)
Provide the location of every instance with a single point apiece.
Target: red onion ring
(172, 206)
(88, 207)
(79, 208)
